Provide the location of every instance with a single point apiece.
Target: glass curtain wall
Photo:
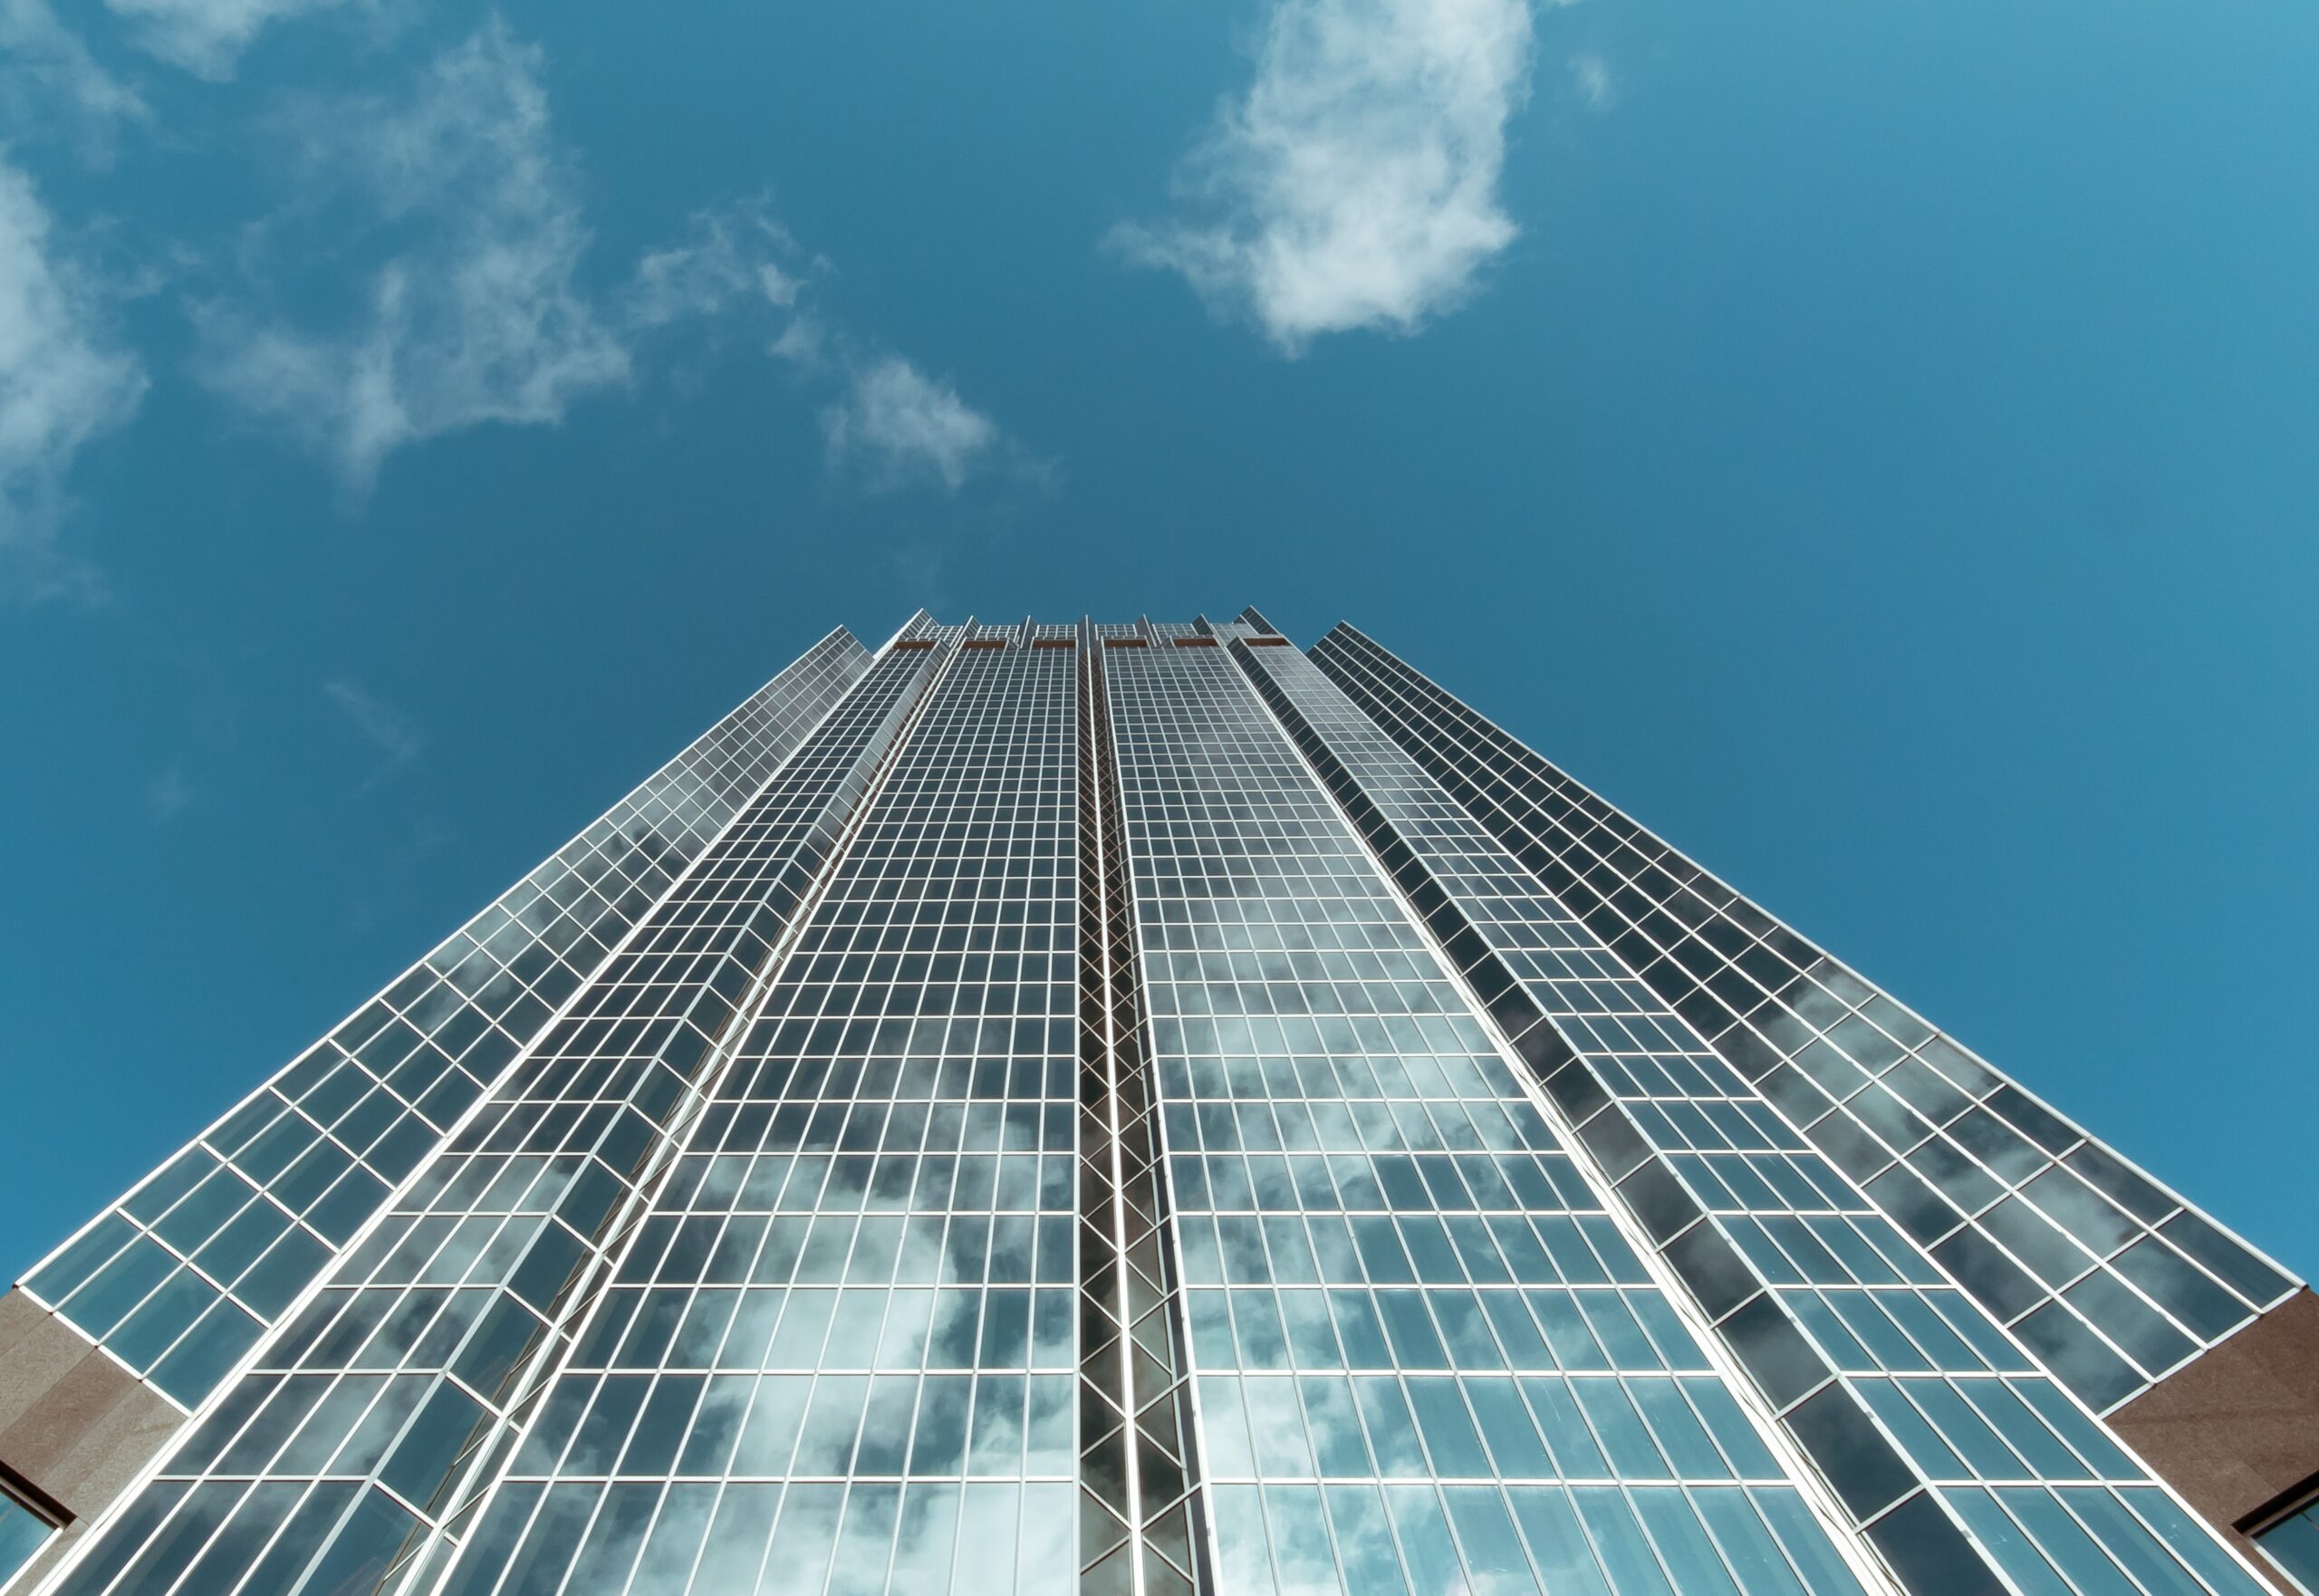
(370, 1428)
(840, 1355)
(1944, 1442)
(1425, 1358)
(1130, 1110)
(2108, 1279)
(180, 1278)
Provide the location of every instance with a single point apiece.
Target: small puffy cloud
(1598, 90)
(169, 795)
(50, 85)
(1355, 184)
(901, 425)
(482, 318)
(206, 37)
(387, 732)
(803, 344)
(62, 382)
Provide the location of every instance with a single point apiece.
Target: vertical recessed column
(1139, 1477)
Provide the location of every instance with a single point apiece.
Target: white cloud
(902, 424)
(51, 84)
(1355, 184)
(731, 259)
(803, 344)
(1596, 86)
(391, 733)
(169, 795)
(482, 321)
(62, 382)
(206, 37)
(483, 315)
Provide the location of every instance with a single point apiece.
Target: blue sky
(1873, 443)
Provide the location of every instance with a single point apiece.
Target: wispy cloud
(169, 795)
(484, 313)
(62, 381)
(730, 258)
(1355, 184)
(482, 320)
(805, 344)
(391, 733)
(901, 425)
(50, 85)
(1598, 90)
(206, 37)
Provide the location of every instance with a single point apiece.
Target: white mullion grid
(1308, 874)
(1849, 1544)
(807, 669)
(2051, 1292)
(1876, 1420)
(1373, 671)
(2068, 1395)
(826, 887)
(155, 1467)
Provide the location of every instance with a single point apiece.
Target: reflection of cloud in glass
(1223, 1430)
(771, 1434)
(1048, 1436)
(675, 1537)
(853, 1329)
(702, 1329)
(735, 1550)
(886, 1425)
(1300, 1542)
(997, 1446)
(910, 1318)
(1237, 1516)
(832, 1424)
(1049, 1551)
(799, 1558)
(922, 1549)
(804, 1324)
(986, 1536)
(865, 1542)
(1278, 1426)
(716, 1424)
(939, 1446)
(1337, 1443)
(616, 1537)
(1244, 1250)
(1055, 1339)
(753, 1321)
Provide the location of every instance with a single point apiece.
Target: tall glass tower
(1140, 1110)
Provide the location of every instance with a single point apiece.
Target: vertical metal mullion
(1115, 1070)
(640, 1202)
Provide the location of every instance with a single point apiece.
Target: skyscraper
(1138, 1110)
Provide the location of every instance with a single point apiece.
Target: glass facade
(180, 1278)
(2110, 1280)
(2292, 1543)
(1131, 1110)
(22, 1533)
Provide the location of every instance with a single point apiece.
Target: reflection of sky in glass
(1951, 1411)
(22, 1535)
(1934, 1138)
(836, 1348)
(1397, 1282)
(846, 1338)
(399, 1370)
(263, 1200)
